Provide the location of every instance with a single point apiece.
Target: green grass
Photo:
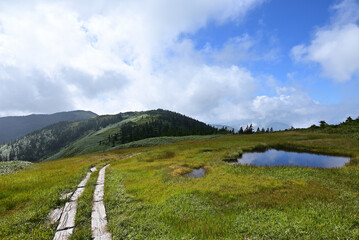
(26, 197)
(84, 210)
(90, 143)
(147, 197)
(149, 142)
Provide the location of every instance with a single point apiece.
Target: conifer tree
(349, 119)
(240, 131)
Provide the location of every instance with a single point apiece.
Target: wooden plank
(68, 216)
(98, 216)
(84, 181)
(64, 234)
(77, 194)
(67, 220)
(55, 215)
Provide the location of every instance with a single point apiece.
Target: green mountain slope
(100, 134)
(15, 127)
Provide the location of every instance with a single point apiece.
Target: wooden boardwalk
(98, 216)
(68, 213)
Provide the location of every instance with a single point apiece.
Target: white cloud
(235, 50)
(243, 48)
(296, 108)
(108, 56)
(112, 56)
(335, 47)
(28, 93)
(289, 107)
(346, 11)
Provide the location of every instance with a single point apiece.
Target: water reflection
(274, 157)
(196, 173)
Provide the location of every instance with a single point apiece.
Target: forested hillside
(43, 143)
(163, 123)
(15, 127)
(100, 134)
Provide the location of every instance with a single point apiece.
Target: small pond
(274, 157)
(196, 173)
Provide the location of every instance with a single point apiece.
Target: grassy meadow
(27, 196)
(147, 196)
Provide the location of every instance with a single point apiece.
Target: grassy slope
(147, 198)
(90, 142)
(27, 196)
(99, 134)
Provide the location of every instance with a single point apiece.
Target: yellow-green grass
(26, 197)
(147, 196)
(84, 210)
(82, 230)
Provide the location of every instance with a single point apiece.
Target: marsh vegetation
(147, 195)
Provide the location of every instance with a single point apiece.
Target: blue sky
(230, 62)
(280, 25)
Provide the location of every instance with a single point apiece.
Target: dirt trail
(98, 216)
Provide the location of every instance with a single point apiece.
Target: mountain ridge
(65, 139)
(13, 127)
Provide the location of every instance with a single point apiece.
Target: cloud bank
(112, 56)
(102, 55)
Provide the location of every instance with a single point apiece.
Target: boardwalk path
(67, 219)
(98, 216)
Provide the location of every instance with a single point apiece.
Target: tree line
(249, 129)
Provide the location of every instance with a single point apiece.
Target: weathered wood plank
(98, 216)
(67, 220)
(99, 193)
(84, 181)
(68, 216)
(55, 215)
(64, 234)
(77, 194)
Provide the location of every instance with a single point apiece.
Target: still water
(196, 173)
(274, 157)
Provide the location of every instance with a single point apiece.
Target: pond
(274, 157)
(196, 173)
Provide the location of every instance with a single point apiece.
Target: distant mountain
(220, 126)
(15, 127)
(278, 126)
(101, 133)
